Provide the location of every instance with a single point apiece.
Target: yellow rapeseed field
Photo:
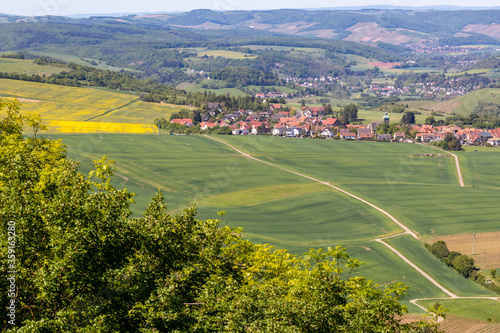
(67, 126)
(86, 110)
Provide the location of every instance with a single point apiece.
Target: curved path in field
(457, 164)
(380, 240)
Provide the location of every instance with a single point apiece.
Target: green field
(292, 212)
(197, 87)
(463, 105)
(473, 308)
(438, 270)
(485, 71)
(422, 192)
(82, 61)
(27, 67)
(470, 101)
(370, 115)
(297, 51)
(271, 205)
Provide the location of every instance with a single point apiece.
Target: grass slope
(439, 271)
(422, 192)
(292, 212)
(27, 67)
(481, 309)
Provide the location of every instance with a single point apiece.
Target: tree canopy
(83, 264)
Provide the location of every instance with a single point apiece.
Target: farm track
(380, 240)
(111, 110)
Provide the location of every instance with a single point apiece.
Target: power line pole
(473, 244)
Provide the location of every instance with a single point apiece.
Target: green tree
(463, 264)
(493, 272)
(408, 118)
(430, 120)
(437, 311)
(440, 250)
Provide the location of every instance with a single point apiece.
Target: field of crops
(291, 212)
(271, 205)
(27, 67)
(197, 87)
(470, 101)
(438, 270)
(480, 309)
(422, 192)
(61, 107)
(66, 126)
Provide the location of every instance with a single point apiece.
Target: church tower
(386, 118)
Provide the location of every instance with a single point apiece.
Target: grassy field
(309, 51)
(272, 88)
(271, 205)
(226, 54)
(370, 115)
(197, 87)
(486, 71)
(27, 67)
(59, 103)
(292, 212)
(422, 192)
(82, 61)
(481, 309)
(438, 270)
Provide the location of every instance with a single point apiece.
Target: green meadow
(23, 66)
(288, 211)
(422, 192)
(438, 270)
(481, 309)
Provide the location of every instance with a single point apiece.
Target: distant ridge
(355, 8)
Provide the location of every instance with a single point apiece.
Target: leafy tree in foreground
(83, 265)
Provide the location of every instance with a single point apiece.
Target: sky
(71, 7)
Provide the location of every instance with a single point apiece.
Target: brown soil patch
(27, 100)
(386, 65)
(205, 26)
(257, 25)
(467, 325)
(371, 32)
(487, 247)
(446, 106)
(492, 30)
(292, 28)
(323, 33)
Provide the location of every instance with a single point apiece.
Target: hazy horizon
(94, 7)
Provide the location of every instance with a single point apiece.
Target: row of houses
(309, 121)
(467, 136)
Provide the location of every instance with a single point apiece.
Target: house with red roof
(331, 122)
(184, 121)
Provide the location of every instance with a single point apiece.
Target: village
(310, 121)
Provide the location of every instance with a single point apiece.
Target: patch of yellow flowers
(68, 126)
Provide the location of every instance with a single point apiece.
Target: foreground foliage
(82, 264)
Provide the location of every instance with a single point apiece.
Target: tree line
(463, 264)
